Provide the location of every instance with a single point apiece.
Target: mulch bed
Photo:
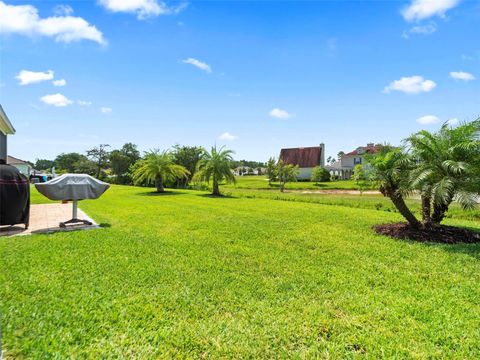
(439, 234)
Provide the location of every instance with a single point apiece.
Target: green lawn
(189, 276)
(261, 182)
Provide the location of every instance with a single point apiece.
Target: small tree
(100, 156)
(391, 168)
(216, 165)
(362, 176)
(320, 174)
(447, 169)
(158, 167)
(286, 173)
(272, 173)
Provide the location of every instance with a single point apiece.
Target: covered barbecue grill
(73, 187)
(14, 196)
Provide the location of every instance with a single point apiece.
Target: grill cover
(73, 187)
(14, 196)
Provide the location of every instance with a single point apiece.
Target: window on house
(357, 161)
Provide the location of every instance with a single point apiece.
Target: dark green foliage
(188, 157)
(121, 160)
(69, 161)
(43, 164)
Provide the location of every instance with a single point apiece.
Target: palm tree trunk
(216, 190)
(159, 184)
(439, 213)
(426, 211)
(403, 209)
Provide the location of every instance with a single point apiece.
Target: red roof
(370, 149)
(303, 157)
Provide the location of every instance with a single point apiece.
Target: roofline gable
(6, 126)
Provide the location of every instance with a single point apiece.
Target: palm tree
(447, 170)
(158, 167)
(390, 169)
(216, 166)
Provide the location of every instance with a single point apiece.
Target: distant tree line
(175, 167)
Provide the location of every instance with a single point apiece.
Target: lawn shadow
(468, 249)
(223, 196)
(165, 193)
(105, 225)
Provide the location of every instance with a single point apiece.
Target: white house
(6, 128)
(21, 165)
(305, 157)
(343, 169)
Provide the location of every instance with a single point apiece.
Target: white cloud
(57, 100)
(424, 9)
(60, 82)
(420, 30)
(428, 120)
(84, 103)
(461, 75)
(142, 8)
(410, 85)
(26, 77)
(227, 136)
(197, 63)
(279, 114)
(105, 110)
(24, 19)
(61, 10)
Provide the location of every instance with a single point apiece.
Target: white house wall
(305, 173)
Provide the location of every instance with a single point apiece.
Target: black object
(14, 196)
(74, 219)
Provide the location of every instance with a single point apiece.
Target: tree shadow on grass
(223, 196)
(468, 249)
(165, 193)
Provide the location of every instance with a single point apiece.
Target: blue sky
(255, 76)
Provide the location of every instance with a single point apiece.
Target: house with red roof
(343, 169)
(305, 157)
(357, 156)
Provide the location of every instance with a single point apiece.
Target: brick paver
(45, 218)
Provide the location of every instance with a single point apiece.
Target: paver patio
(45, 218)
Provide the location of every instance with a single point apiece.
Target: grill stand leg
(74, 219)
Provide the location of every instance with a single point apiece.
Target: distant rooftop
(12, 160)
(371, 148)
(304, 157)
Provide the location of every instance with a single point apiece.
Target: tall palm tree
(447, 170)
(390, 169)
(158, 166)
(216, 166)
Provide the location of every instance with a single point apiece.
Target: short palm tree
(448, 163)
(216, 165)
(157, 167)
(390, 168)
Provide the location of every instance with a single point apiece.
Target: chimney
(322, 154)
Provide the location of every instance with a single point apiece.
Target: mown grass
(260, 182)
(186, 275)
(365, 201)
